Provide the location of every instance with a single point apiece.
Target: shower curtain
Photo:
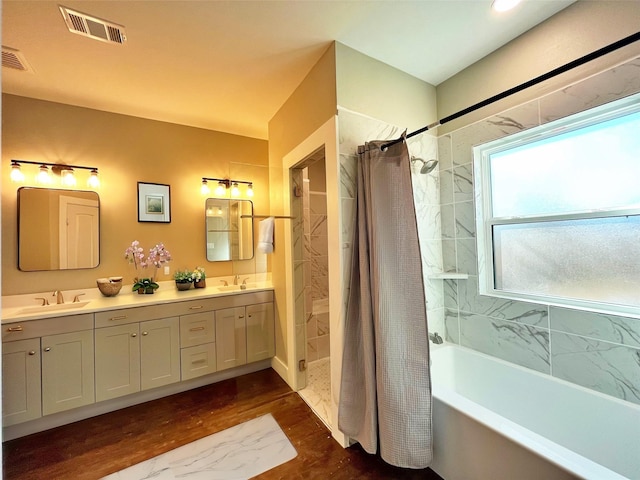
(385, 396)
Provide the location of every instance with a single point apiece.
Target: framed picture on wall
(154, 203)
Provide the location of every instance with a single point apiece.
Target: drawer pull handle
(134, 335)
(47, 349)
(196, 307)
(196, 329)
(15, 329)
(32, 352)
(121, 317)
(240, 316)
(144, 334)
(195, 362)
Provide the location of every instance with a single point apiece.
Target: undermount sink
(52, 308)
(234, 288)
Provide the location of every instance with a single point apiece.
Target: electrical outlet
(166, 269)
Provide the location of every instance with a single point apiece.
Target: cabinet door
(67, 371)
(260, 332)
(117, 361)
(197, 329)
(231, 339)
(159, 352)
(21, 381)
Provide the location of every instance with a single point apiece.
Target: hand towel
(265, 239)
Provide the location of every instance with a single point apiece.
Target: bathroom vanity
(63, 364)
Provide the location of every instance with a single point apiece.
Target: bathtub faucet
(435, 338)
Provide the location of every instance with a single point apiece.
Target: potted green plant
(199, 277)
(184, 279)
(145, 285)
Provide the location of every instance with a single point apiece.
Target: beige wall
(126, 150)
(578, 30)
(370, 87)
(306, 110)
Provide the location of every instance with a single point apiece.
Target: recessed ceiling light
(504, 5)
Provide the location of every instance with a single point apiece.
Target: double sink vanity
(64, 362)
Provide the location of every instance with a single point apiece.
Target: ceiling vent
(12, 58)
(93, 27)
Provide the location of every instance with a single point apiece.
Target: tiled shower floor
(317, 393)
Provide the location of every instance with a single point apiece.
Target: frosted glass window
(576, 259)
(558, 211)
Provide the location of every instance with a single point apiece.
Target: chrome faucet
(236, 279)
(244, 284)
(59, 296)
(435, 338)
(224, 283)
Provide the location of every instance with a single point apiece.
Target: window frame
(485, 221)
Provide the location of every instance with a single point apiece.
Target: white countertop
(13, 306)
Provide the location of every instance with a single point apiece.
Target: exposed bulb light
(16, 174)
(221, 189)
(93, 181)
(235, 191)
(68, 178)
(250, 190)
(504, 5)
(43, 176)
(204, 189)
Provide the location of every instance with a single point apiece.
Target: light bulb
(94, 181)
(16, 174)
(68, 178)
(221, 189)
(250, 190)
(235, 191)
(43, 175)
(204, 189)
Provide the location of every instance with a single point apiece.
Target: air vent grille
(93, 27)
(12, 58)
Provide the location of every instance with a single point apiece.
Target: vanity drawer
(197, 361)
(197, 328)
(46, 326)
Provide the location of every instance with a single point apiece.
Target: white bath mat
(236, 453)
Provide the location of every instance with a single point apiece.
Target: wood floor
(93, 448)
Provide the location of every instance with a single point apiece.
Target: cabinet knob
(32, 352)
(240, 316)
(47, 349)
(134, 334)
(144, 334)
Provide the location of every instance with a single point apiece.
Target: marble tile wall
(316, 273)
(355, 129)
(597, 351)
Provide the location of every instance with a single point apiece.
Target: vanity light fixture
(204, 189)
(68, 178)
(43, 177)
(16, 174)
(225, 184)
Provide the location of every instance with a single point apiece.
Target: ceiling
(230, 65)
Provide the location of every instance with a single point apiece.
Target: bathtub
(495, 420)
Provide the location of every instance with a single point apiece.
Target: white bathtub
(490, 415)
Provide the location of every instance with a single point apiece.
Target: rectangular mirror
(229, 229)
(58, 229)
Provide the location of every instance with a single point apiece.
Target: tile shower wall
(597, 351)
(316, 266)
(355, 129)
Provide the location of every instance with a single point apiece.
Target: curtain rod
(557, 71)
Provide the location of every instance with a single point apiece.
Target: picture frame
(154, 202)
